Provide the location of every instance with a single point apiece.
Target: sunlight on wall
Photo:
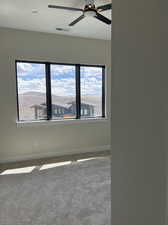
(82, 160)
(18, 170)
(26, 170)
(53, 165)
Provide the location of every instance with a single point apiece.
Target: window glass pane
(91, 91)
(31, 91)
(63, 91)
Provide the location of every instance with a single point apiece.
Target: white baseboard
(18, 158)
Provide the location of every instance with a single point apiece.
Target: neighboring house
(86, 109)
(40, 111)
(66, 110)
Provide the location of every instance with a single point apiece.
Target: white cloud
(91, 86)
(91, 71)
(34, 68)
(62, 69)
(24, 68)
(27, 68)
(61, 87)
(37, 85)
(91, 83)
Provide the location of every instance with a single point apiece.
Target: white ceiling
(18, 14)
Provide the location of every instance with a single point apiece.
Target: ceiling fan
(89, 10)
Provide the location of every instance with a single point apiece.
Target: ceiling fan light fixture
(90, 13)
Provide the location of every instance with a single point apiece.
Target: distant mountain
(28, 99)
(34, 93)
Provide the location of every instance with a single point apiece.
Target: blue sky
(31, 77)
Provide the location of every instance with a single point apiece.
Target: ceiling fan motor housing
(90, 10)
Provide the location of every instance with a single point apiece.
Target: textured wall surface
(138, 175)
(47, 139)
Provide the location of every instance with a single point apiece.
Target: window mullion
(78, 95)
(48, 91)
(103, 92)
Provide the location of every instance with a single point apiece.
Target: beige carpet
(73, 194)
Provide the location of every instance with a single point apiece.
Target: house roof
(82, 103)
(38, 106)
(60, 104)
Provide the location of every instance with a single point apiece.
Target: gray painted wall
(47, 139)
(164, 85)
(138, 169)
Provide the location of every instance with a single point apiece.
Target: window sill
(57, 122)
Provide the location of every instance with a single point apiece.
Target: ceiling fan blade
(77, 20)
(65, 8)
(104, 7)
(103, 18)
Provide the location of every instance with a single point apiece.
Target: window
(91, 91)
(31, 87)
(50, 91)
(63, 92)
